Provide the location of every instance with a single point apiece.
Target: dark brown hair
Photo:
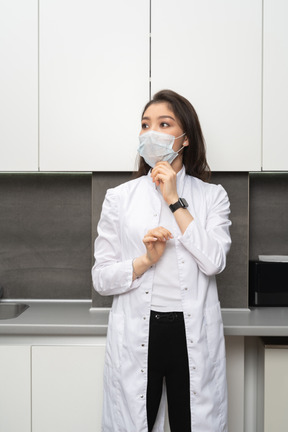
(194, 155)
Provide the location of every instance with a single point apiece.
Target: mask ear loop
(183, 143)
(180, 136)
(178, 151)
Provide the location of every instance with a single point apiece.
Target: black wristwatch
(181, 203)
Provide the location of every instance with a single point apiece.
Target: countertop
(77, 317)
(52, 317)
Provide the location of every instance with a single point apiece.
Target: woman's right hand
(155, 242)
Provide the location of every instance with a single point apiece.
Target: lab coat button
(142, 345)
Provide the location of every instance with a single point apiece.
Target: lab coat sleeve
(110, 274)
(209, 241)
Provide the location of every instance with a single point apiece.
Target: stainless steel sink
(11, 310)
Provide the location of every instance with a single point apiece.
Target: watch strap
(181, 203)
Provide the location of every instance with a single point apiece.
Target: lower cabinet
(15, 389)
(235, 365)
(51, 388)
(67, 388)
(275, 388)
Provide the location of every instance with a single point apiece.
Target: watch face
(183, 202)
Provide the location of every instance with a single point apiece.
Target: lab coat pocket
(215, 332)
(115, 340)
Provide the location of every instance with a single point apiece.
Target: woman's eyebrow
(166, 116)
(160, 117)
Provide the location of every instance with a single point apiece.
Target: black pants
(167, 358)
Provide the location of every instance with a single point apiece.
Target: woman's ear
(186, 142)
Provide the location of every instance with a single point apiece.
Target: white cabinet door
(210, 52)
(235, 382)
(94, 82)
(67, 388)
(19, 85)
(276, 389)
(15, 389)
(275, 86)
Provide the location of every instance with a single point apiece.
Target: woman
(162, 238)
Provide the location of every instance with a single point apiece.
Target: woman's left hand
(164, 176)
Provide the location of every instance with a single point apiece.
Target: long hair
(194, 155)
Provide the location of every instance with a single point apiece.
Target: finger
(162, 174)
(163, 163)
(161, 233)
(154, 179)
(149, 239)
(158, 171)
(160, 178)
(160, 229)
(154, 239)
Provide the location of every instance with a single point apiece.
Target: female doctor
(162, 238)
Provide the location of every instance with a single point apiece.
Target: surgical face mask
(157, 147)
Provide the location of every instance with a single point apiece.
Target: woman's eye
(144, 126)
(164, 125)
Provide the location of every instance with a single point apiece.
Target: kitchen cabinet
(94, 82)
(275, 85)
(235, 370)
(19, 85)
(15, 389)
(74, 82)
(67, 388)
(275, 388)
(211, 53)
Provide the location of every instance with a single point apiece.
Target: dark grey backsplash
(48, 225)
(268, 214)
(45, 235)
(233, 281)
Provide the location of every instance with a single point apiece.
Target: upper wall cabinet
(19, 85)
(210, 52)
(94, 82)
(275, 86)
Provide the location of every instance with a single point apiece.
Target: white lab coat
(128, 212)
